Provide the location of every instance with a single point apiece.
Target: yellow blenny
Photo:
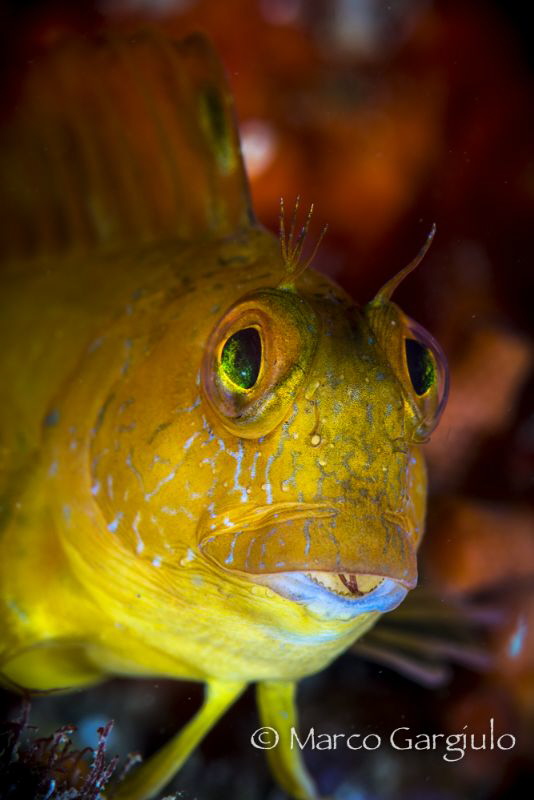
(210, 465)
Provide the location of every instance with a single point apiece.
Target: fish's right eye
(241, 358)
(256, 359)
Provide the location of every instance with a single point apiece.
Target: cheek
(395, 416)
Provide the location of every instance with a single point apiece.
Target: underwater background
(388, 117)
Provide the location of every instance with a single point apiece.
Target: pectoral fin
(276, 705)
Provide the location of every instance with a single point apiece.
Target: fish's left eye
(417, 361)
(426, 368)
(421, 366)
(241, 358)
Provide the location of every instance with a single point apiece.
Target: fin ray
(121, 140)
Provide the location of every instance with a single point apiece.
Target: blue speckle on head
(380, 376)
(191, 439)
(307, 536)
(52, 418)
(263, 548)
(230, 557)
(188, 409)
(159, 486)
(114, 524)
(253, 467)
(238, 455)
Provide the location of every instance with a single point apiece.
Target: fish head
(326, 405)
(268, 435)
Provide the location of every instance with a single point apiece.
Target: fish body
(211, 464)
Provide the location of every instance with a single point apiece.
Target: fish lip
(233, 538)
(320, 600)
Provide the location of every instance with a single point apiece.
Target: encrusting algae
(210, 456)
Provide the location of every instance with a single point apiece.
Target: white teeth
(345, 584)
(330, 581)
(366, 583)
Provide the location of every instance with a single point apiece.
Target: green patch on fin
(215, 123)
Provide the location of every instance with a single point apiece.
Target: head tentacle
(387, 290)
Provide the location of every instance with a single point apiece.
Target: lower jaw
(332, 596)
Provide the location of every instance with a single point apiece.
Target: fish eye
(256, 359)
(241, 358)
(416, 359)
(426, 368)
(421, 366)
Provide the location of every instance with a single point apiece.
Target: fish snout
(356, 549)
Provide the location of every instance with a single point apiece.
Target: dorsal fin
(121, 140)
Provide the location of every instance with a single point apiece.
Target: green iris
(421, 366)
(241, 358)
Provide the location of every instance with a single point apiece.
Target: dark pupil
(420, 366)
(241, 357)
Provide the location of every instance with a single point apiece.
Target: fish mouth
(333, 558)
(321, 594)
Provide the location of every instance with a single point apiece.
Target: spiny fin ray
(121, 141)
